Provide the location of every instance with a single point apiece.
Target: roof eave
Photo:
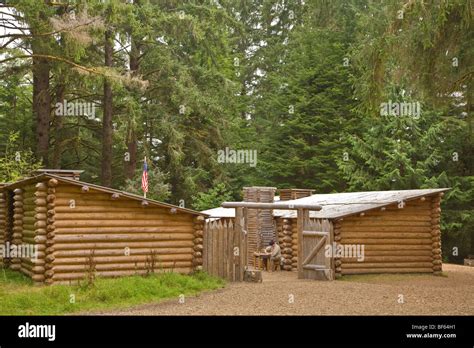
(38, 178)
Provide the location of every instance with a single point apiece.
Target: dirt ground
(281, 293)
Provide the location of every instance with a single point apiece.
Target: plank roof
(338, 205)
(129, 195)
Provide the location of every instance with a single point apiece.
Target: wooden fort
(397, 231)
(79, 227)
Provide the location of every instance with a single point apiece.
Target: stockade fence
(225, 250)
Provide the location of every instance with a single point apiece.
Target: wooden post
(300, 225)
(50, 231)
(41, 222)
(238, 233)
(17, 225)
(198, 243)
(337, 227)
(287, 244)
(230, 251)
(436, 234)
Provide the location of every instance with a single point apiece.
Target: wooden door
(314, 236)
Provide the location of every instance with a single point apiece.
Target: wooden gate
(313, 237)
(225, 250)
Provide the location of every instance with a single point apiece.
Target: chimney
(66, 173)
(259, 221)
(290, 194)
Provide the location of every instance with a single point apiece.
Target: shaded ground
(451, 294)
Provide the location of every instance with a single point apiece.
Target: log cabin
(397, 231)
(76, 228)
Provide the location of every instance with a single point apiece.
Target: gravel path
(361, 295)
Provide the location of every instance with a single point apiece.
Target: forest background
(336, 96)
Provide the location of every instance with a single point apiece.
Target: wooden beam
(316, 267)
(315, 233)
(300, 227)
(279, 205)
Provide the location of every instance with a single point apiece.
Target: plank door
(314, 235)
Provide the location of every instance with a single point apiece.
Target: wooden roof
(338, 205)
(44, 176)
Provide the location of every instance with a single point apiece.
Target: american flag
(145, 177)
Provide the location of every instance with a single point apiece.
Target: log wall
(77, 230)
(396, 240)
(25, 224)
(117, 235)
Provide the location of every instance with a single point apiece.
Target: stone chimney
(290, 194)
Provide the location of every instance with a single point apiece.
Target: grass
(18, 295)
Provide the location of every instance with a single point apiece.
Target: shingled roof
(338, 205)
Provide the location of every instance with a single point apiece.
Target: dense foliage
(303, 84)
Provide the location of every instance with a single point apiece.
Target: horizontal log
(95, 209)
(32, 269)
(66, 277)
(387, 241)
(122, 230)
(388, 259)
(40, 210)
(119, 266)
(141, 214)
(40, 231)
(346, 265)
(123, 202)
(159, 258)
(404, 229)
(122, 251)
(391, 220)
(378, 216)
(384, 235)
(118, 245)
(121, 222)
(38, 278)
(386, 270)
(426, 252)
(397, 247)
(84, 238)
(40, 224)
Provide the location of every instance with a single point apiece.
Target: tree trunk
(132, 148)
(107, 129)
(41, 105)
(58, 129)
(132, 145)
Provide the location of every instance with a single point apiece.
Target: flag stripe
(145, 178)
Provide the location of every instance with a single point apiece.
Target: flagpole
(144, 192)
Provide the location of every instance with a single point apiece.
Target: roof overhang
(44, 176)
